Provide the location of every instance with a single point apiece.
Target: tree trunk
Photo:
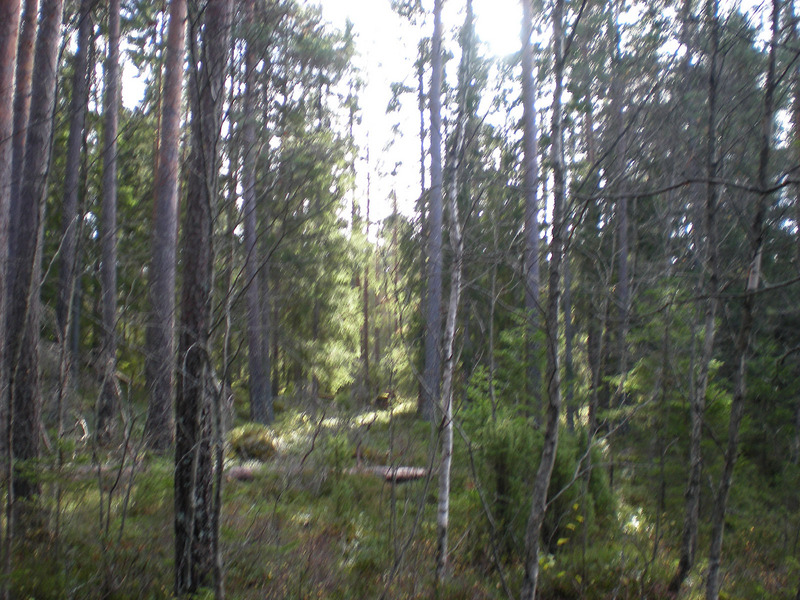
(622, 210)
(160, 344)
(796, 142)
(423, 217)
(457, 244)
(257, 339)
(743, 340)
(109, 395)
(365, 296)
(553, 377)
(9, 31)
(22, 104)
(433, 319)
(569, 340)
(194, 472)
(24, 309)
(446, 424)
(710, 291)
(72, 171)
(530, 183)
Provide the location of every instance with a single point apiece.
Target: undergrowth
(311, 521)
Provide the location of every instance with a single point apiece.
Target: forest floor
(306, 513)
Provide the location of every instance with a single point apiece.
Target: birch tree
(456, 270)
(431, 377)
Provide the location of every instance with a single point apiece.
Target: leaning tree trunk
(24, 309)
(530, 184)
(433, 319)
(159, 346)
(553, 377)
(194, 473)
(711, 271)
(743, 340)
(109, 394)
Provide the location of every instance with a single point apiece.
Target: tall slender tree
(530, 185)
(108, 266)
(456, 155)
(544, 472)
(24, 308)
(22, 105)
(433, 318)
(710, 287)
(160, 343)
(194, 472)
(9, 30)
(619, 161)
(756, 235)
(255, 264)
(69, 209)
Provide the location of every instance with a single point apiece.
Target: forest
(566, 366)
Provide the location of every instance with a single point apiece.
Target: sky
(387, 47)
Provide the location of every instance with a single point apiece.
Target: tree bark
(24, 307)
(530, 184)
(743, 340)
(109, 395)
(160, 344)
(552, 376)
(457, 244)
(433, 319)
(9, 31)
(194, 473)
(22, 104)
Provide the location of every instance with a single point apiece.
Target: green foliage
(506, 448)
(337, 451)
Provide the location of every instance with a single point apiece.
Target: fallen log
(392, 474)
